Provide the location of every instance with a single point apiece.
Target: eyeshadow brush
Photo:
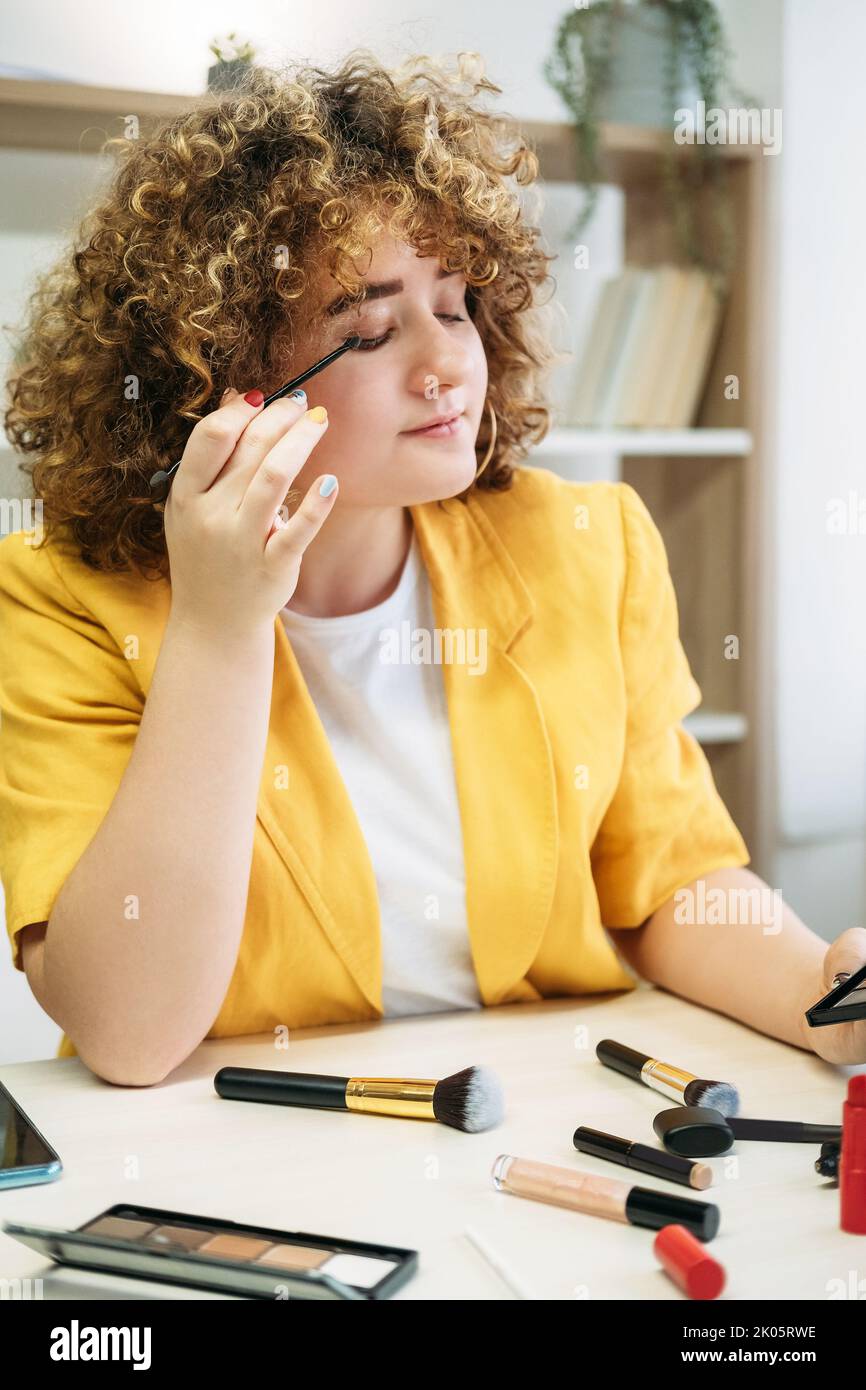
(160, 482)
(679, 1085)
(470, 1100)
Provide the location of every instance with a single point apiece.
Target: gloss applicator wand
(160, 482)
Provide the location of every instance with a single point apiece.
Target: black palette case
(845, 1003)
(132, 1258)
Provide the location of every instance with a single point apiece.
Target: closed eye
(370, 344)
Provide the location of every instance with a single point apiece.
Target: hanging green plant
(696, 59)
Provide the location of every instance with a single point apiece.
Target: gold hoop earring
(492, 445)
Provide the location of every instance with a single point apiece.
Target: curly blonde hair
(191, 273)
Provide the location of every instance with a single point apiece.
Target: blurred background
(701, 188)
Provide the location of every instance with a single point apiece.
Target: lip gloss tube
(690, 1267)
(852, 1160)
(617, 1201)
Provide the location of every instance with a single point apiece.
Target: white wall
(819, 649)
(162, 46)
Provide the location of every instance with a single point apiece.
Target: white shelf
(712, 727)
(723, 443)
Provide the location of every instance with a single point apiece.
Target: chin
(448, 480)
(410, 486)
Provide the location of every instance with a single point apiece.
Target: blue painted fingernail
(298, 395)
(327, 485)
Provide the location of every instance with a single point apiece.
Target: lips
(436, 422)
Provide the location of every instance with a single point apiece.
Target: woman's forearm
(735, 946)
(144, 934)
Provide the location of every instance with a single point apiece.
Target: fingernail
(327, 485)
(254, 397)
(298, 395)
(318, 413)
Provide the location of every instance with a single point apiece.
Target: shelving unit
(565, 442)
(714, 729)
(701, 485)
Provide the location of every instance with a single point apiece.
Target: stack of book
(648, 351)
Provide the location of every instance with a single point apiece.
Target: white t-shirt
(387, 724)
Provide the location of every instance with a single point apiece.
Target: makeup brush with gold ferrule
(470, 1100)
(679, 1085)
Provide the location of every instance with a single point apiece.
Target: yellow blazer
(582, 800)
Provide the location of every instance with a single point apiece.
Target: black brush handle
(304, 1088)
(621, 1058)
(785, 1131)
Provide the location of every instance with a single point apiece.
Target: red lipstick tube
(852, 1162)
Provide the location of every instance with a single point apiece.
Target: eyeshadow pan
(231, 1247)
(176, 1237)
(294, 1257)
(117, 1227)
(361, 1270)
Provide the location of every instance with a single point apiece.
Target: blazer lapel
(306, 810)
(502, 764)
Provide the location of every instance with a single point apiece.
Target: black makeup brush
(827, 1163)
(679, 1085)
(470, 1100)
(700, 1132)
(160, 482)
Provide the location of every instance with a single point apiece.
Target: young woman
(369, 718)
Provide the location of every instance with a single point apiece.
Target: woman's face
(429, 362)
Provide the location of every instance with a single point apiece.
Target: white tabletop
(420, 1184)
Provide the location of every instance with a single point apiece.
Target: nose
(440, 362)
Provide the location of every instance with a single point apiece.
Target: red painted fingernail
(254, 397)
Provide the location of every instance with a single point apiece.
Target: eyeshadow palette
(205, 1252)
(844, 1004)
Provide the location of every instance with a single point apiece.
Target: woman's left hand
(841, 1043)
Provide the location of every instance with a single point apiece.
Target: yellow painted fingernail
(319, 414)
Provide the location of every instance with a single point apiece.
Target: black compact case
(838, 1006)
(174, 1263)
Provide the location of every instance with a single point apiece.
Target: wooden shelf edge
(565, 440)
(70, 116)
(716, 726)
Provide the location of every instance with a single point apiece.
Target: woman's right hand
(234, 561)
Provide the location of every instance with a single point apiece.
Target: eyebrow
(344, 302)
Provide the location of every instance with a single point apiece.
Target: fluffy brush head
(718, 1095)
(470, 1100)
